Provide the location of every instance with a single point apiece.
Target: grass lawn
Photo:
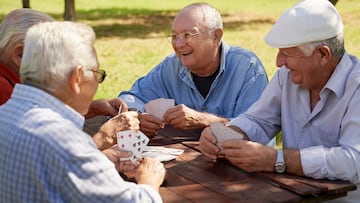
(131, 33)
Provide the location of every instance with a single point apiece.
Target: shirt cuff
(313, 162)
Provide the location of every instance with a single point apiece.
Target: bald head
(203, 15)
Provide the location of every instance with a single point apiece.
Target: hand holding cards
(158, 107)
(133, 141)
(223, 133)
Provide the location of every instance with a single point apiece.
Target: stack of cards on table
(161, 153)
(223, 133)
(134, 141)
(158, 107)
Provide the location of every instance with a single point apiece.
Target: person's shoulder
(5, 86)
(354, 62)
(236, 51)
(170, 63)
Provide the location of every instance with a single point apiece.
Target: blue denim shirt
(239, 83)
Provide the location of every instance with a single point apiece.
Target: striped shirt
(46, 157)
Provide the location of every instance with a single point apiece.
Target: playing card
(141, 140)
(159, 156)
(124, 139)
(223, 133)
(164, 150)
(161, 153)
(134, 141)
(158, 107)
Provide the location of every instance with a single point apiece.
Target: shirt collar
(336, 82)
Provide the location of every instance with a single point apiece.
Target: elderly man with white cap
(313, 99)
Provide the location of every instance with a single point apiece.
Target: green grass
(131, 33)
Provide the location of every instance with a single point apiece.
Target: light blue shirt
(46, 157)
(239, 83)
(328, 137)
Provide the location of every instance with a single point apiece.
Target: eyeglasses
(186, 36)
(100, 75)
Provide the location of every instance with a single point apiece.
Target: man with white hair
(313, 99)
(45, 156)
(209, 80)
(12, 33)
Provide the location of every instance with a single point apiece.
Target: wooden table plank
(192, 178)
(307, 186)
(224, 178)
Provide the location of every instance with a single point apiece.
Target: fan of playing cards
(136, 142)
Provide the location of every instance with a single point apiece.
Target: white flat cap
(306, 21)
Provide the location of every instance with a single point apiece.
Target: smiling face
(200, 52)
(311, 72)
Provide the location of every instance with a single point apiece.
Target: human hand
(150, 172)
(106, 107)
(249, 156)
(150, 124)
(106, 136)
(183, 117)
(207, 144)
(114, 154)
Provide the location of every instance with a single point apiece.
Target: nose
(280, 59)
(179, 42)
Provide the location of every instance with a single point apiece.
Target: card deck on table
(223, 133)
(162, 153)
(134, 141)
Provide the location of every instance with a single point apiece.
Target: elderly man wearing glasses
(12, 34)
(209, 80)
(45, 156)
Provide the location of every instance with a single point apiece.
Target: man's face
(304, 70)
(195, 45)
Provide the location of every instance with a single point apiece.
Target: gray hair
(53, 50)
(336, 45)
(14, 26)
(211, 16)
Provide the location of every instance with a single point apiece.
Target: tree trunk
(26, 3)
(334, 1)
(69, 13)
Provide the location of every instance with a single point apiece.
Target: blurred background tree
(69, 10)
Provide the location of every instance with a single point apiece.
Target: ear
(325, 54)
(76, 79)
(218, 34)
(17, 53)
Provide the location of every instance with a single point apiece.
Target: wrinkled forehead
(189, 19)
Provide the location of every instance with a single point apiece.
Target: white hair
(14, 26)
(336, 45)
(53, 49)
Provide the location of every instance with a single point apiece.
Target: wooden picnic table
(192, 178)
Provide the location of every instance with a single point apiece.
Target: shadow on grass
(140, 23)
